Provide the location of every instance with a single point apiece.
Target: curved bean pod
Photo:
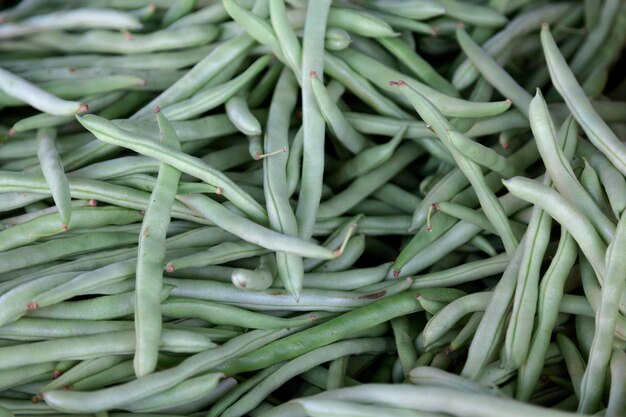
(41, 100)
(108, 132)
(151, 257)
(569, 216)
(564, 81)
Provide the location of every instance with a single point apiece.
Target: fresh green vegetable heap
(361, 208)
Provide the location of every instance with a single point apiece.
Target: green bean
(108, 132)
(493, 72)
(590, 181)
(111, 42)
(596, 36)
(99, 308)
(592, 384)
(366, 160)
(558, 166)
(27, 146)
(264, 86)
(304, 363)
(573, 361)
(240, 115)
(359, 23)
(616, 404)
(337, 39)
(429, 376)
(182, 393)
(312, 120)
(361, 87)
(221, 253)
(255, 26)
(207, 99)
(485, 339)
(78, 88)
(282, 218)
(29, 93)
(286, 38)
(86, 347)
(260, 278)
(48, 225)
(53, 172)
(407, 353)
(569, 216)
(176, 11)
(234, 395)
(205, 70)
(352, 251)
(519, 330)
(83, 18)
(116, 373)
(24, 256)
(325, 333)
(463, 273)
(397, 197)
(610, 177)
(42, 120)
(162, 60)
(24, 406)
(596, 129)
(336, 372)
(338, 125)
(229, 315)
(449, 106)
(525, 22)
(151, 257)
(29, 329)
(12, 377)
(418, 66)
(272, 298)
(252, 232)
(490, 204)
(90, 189)
(345, 280)
(550, 295)
(464, 336)
(431, 399)
(421, 10)
(465, 214)
(366, 184)
(160, 381)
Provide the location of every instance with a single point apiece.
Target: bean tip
(11, 132)
(396, 273)
(32, 306)
(157, 109)
(219, 191)
(92, 202)
(64, 227)
(127, 35)
(460, 25)
(56, 373)
(313, 74)
(508, 100)
(418, 296)
(170, 268)
(35, 398)
(545, 26)
(82, 108)
(435, 30)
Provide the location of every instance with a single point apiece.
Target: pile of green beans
(313, 208)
